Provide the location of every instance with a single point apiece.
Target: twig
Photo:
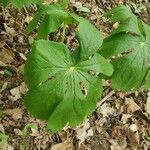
(105, 98)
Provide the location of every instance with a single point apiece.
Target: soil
(121, 122)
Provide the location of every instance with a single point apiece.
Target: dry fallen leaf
(106, 110)
(6, 56)
(83, 131)
(15, 113)
(116, 25)
(119, 1)
(116, 132)
(6, 146)
(118, 144)
(131, 105)
(133, 136)
(147, 106)
(23, 56)
(9, 30)
(2, 130)
(62, 146)
(125, 118)
(114, 145)
(17, 92)
(3, 87)
(28, 19)
(63, 135)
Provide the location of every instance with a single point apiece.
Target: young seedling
(24, 132)
(130, 44)
(25, 129)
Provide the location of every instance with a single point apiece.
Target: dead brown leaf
(84, 130)
(147, 106)
(125, 118)
(133, 136)
(17, 92)
(6, 56)
(15, 113)
(131, 105)
(62, 146)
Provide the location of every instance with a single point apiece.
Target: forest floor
(121, 120)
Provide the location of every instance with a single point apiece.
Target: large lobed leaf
(53, 17)
(132, 41)
(119, 13)
(62, 90)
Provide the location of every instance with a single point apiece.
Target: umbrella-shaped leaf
(132, 55)
(57, 85)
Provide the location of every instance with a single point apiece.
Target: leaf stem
(63, 32)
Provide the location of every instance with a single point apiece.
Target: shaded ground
(122, 121)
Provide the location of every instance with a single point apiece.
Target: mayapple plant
(130, 44)
(64, 85)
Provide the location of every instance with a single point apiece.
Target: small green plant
(130, 44)
(64, 86)
(25, 133)
(20, 3)
(25, 129)
(3, 139)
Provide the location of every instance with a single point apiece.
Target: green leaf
(53, 17)
(63, 3)
(132, 54)
(21, 147)
(5, 2)
(50, 24)
(147, 82)
(117, 44)
(89, 38)
(119, 13)
(97, 64)
(20, 4)
(3, 138)
(34, 22)
(58, 85)
(129, 25)
(77, 18)
(131, 70)
(128, 22)
(25, 129)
